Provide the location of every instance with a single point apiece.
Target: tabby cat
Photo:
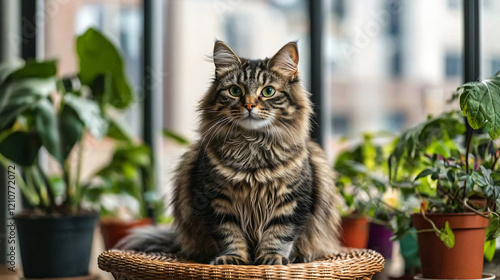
(254, 189)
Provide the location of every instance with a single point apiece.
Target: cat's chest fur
(258, 162)
(257, 177)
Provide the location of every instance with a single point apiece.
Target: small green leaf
(469, 184)
(480, 103)
(349, 199)
(21, 147)
(450, 174)
(493, 229)
(169, 134)
(447, 236)
(426, 172)
(47, 128)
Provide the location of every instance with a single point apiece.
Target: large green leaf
(89, 113)
(7, 69)
(48, 128)
(19, 95)
(480, 103)
(71, 130)
(35, 69)
(98, 57)
(21, 147)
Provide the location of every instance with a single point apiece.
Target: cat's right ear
(225, 59)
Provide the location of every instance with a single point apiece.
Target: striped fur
(255, 189)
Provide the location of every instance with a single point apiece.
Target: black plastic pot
(54, 247)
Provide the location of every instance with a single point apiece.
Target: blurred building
(394, 62)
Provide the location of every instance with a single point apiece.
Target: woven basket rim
(348, 264)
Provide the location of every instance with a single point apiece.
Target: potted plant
(362, 183)
(39, 111)
(458, 184)
(124, 192)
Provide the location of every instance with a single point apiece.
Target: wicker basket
(129, 265)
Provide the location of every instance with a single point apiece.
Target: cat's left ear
(285, 61)
(225, 59)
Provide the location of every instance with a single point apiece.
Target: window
(395, 121)
(453, 65)
(453, 4)
(340, 125)
(495, 66)
(338, 8)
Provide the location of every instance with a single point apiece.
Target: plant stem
(469, 138)
(50, 192)
(27, 191)
(28, 172)
(78, 170)
(496, 156)
(464, 202)
(67, 182)
(430, 221)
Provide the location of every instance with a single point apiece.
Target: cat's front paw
(230, 259)
(271, 259)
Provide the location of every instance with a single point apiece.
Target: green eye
(235, 91)
(268, 91)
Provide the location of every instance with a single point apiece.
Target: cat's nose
(250, 106)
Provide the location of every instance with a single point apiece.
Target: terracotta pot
(355, 232)
(465, 259)
(113, 230)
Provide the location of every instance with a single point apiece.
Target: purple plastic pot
(379, 240)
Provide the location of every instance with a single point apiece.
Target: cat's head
(257, 95)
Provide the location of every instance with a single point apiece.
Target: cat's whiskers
(308, 116)
(229, 131)
(284, 125)
(214, 126)
(216, 132)
(278, 134)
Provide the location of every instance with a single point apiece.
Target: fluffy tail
(151, 239)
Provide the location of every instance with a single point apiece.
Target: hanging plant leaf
(489, 249)
(21, 147)
(47, 128)
(480, 103)
(89, 113)
(447, 236)
(98, 57)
